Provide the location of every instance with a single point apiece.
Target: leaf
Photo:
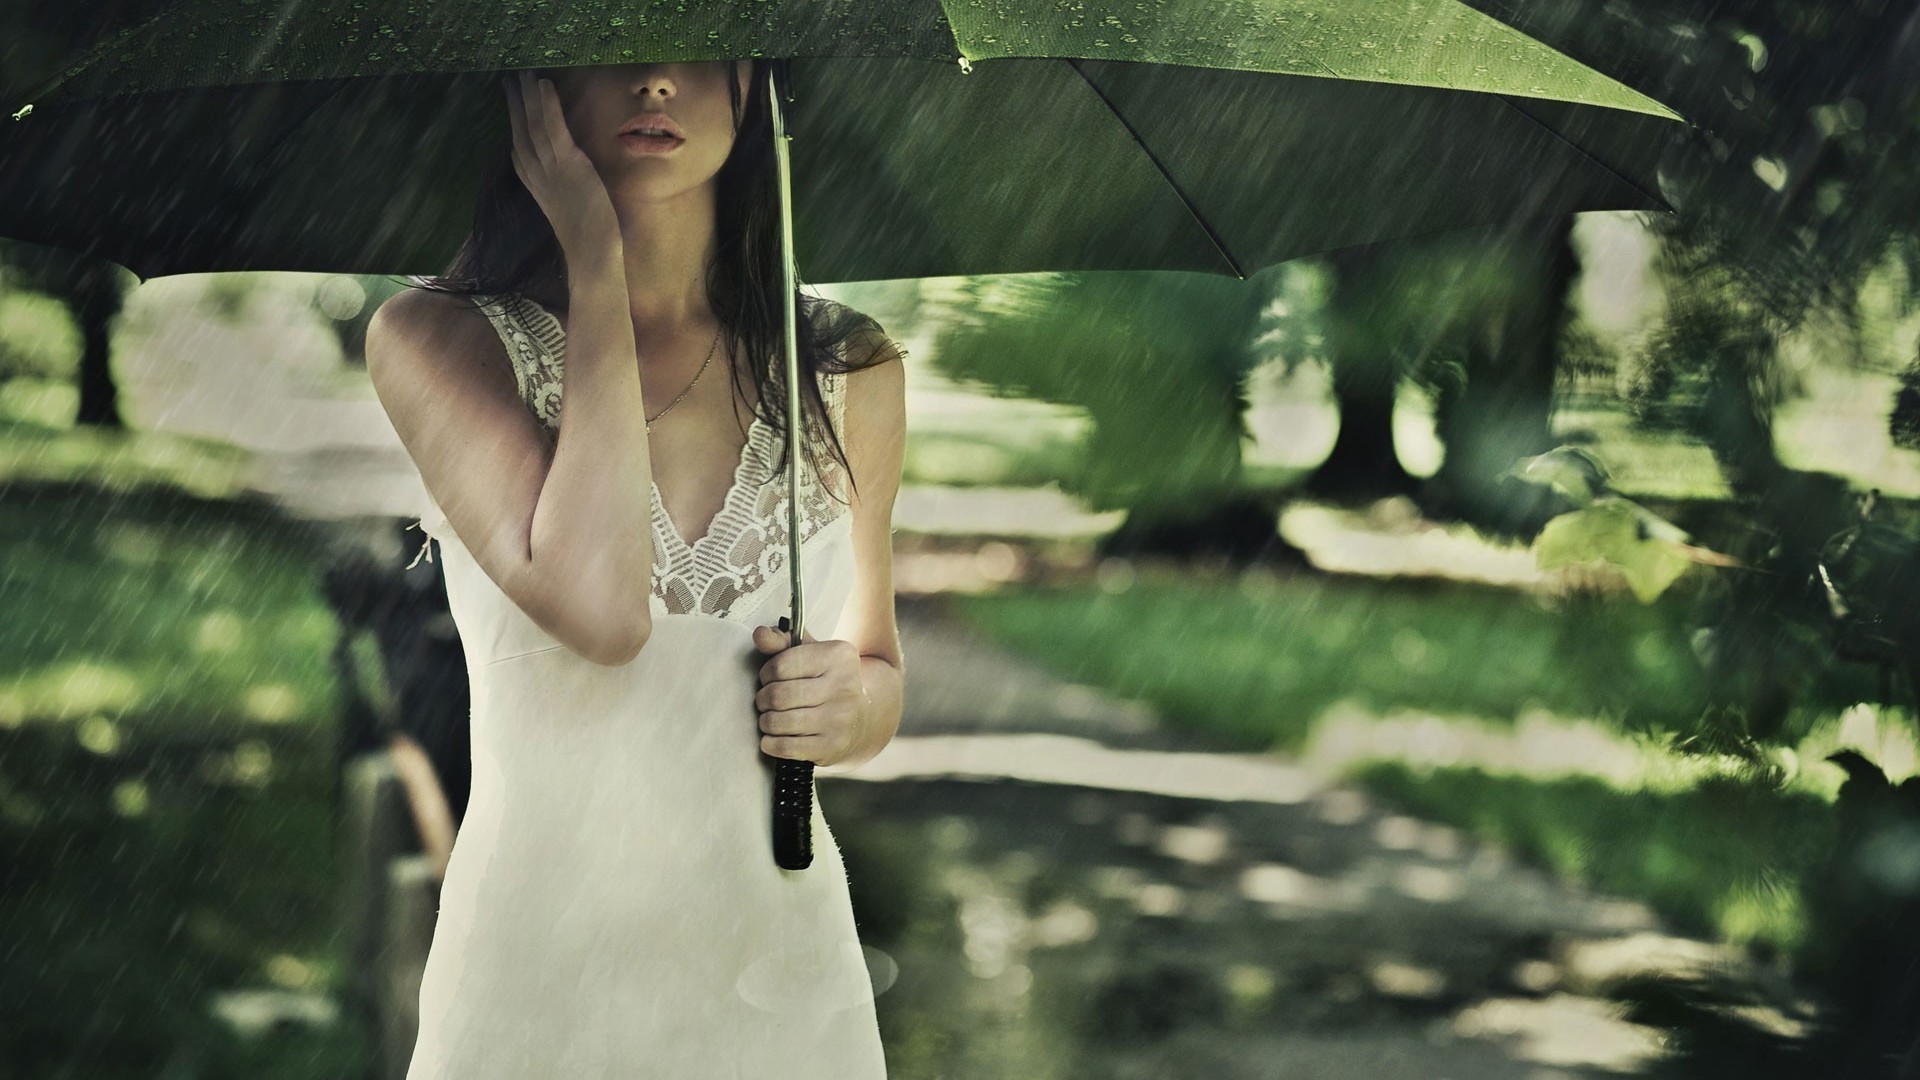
(1611, 532)
(1573, 471)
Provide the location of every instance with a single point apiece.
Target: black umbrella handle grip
(793, 814)
(792, 806)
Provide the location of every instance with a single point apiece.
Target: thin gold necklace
(561, 277)
(696, 379)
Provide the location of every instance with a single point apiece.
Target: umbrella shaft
(793, 347)
(792, 779)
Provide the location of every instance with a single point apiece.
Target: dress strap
(536, 348)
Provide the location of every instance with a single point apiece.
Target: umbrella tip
(25, 111)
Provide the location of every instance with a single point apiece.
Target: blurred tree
(1903, 423)
(1808, 182)
(93, 291)
(1804, 183)
(1366, 370)
(1478, 318)
(1499, 409)
(1805, 180)
(1160, 362)
(37, 37)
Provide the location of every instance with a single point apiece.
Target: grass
(1255, 663)
(191, 612)
(166, 764)
(969, 460)
(38, 445)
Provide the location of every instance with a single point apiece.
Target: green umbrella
(1114, 140)
(915, 138)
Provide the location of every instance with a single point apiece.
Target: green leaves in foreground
(1610, 530)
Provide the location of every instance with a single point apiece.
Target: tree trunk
(93, 290)
(95, 298)
(1737, 424)
(1500, 412)
(1363, 463)
(1215, 518)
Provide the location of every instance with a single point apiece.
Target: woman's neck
(666, 246)
(667, 250)
(667, 289)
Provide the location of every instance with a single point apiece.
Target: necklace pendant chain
(696, 379)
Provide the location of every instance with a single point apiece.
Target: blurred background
(1495, 658)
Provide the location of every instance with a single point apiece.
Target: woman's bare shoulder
(417, 312)
(443, 335)
(435, 359)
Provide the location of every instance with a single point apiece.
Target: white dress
(612, 908)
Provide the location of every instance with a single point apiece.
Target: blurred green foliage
(1256, 664)
(166, 779)
(38, 338)
(1158, 360)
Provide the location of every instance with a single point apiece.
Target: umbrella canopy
(350, 135)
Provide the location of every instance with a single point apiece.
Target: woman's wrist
(599, 254)
(882, 689)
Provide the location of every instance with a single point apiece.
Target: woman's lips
(651, 144)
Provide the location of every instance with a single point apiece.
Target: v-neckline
(738, 490)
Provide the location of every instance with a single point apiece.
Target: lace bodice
(744, 551)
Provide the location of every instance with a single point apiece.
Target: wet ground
(1050, 886)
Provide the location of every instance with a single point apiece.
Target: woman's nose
(646, 84)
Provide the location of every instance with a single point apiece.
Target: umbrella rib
(1582, 151)
(1219, 242)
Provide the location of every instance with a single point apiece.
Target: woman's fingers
(792, 694)
(559, 139)
(517, 120)
(530, 97)
(551, 138)
(553, 168)
(797, 748)
(533, 98)
(790, 722)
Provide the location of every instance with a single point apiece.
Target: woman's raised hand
(553, 167)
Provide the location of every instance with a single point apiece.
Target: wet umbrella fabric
(922, 139)
(349, 135)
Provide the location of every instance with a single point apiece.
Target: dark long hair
(512, 245)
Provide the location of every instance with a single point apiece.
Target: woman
(611, 905)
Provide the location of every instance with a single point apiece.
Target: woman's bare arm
(876, 441)
(598, 496)
(563, 530)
